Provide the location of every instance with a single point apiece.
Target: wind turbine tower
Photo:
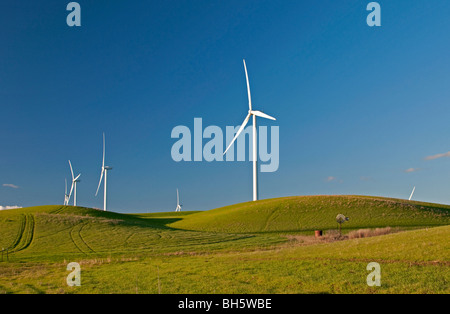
(251, 113)
(104, 171)
(178, 209)
(66, 196)
(73, 188)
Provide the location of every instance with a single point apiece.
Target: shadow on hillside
(155, 223)
(137, 220)
(160, 223)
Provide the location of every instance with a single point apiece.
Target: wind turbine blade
(248, 88)
(238, 132)
(99, 182)
(262, 115)
(412, 194)
(77, 177)
(178, 199)
(71, 170)
(70, 193)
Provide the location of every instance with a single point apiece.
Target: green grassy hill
(53, 232)
(244, 248)
(308, 213)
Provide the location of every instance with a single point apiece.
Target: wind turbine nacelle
(107, 168)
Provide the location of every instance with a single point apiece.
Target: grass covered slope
(63, 232)
(144, 253)
(308, 213)
(414, 261)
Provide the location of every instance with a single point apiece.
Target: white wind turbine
(66, 196)
(254, 114)
(178, 209)
(412, 194)
(105, 172)
(73, 188)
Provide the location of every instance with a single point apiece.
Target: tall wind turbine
(105, 172)
(251, 113)
(412, 194)
(66, 196)
(178, 209)
(73, 188)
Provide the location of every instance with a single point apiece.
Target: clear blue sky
(356, 106)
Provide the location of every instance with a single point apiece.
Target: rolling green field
(257, 247)
(309, 213)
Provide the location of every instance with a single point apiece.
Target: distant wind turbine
(178, 209)
(254, 114)
(73, 188)
(412, 194)
(104, 171)
(66, 196)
